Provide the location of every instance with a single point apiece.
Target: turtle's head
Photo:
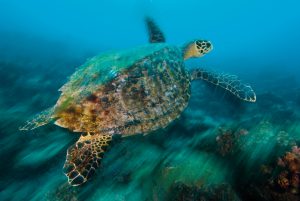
(196, 48)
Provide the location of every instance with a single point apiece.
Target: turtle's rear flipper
(84, 157)
(230, 83)
(155, 34)
(40, 119)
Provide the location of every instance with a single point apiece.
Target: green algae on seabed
(138, 169)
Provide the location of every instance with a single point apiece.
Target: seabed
(219, 149)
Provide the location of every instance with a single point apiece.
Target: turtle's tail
(38, 120)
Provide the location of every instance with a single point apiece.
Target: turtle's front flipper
(155, 34)
(230, 83)
(38, 120)
(84, 157)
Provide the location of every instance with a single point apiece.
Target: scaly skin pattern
(143, 97)
(84, 157)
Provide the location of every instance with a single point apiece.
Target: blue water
(43, 42)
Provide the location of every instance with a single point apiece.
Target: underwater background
(219, 149)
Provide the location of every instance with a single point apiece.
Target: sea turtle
(126, 93)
